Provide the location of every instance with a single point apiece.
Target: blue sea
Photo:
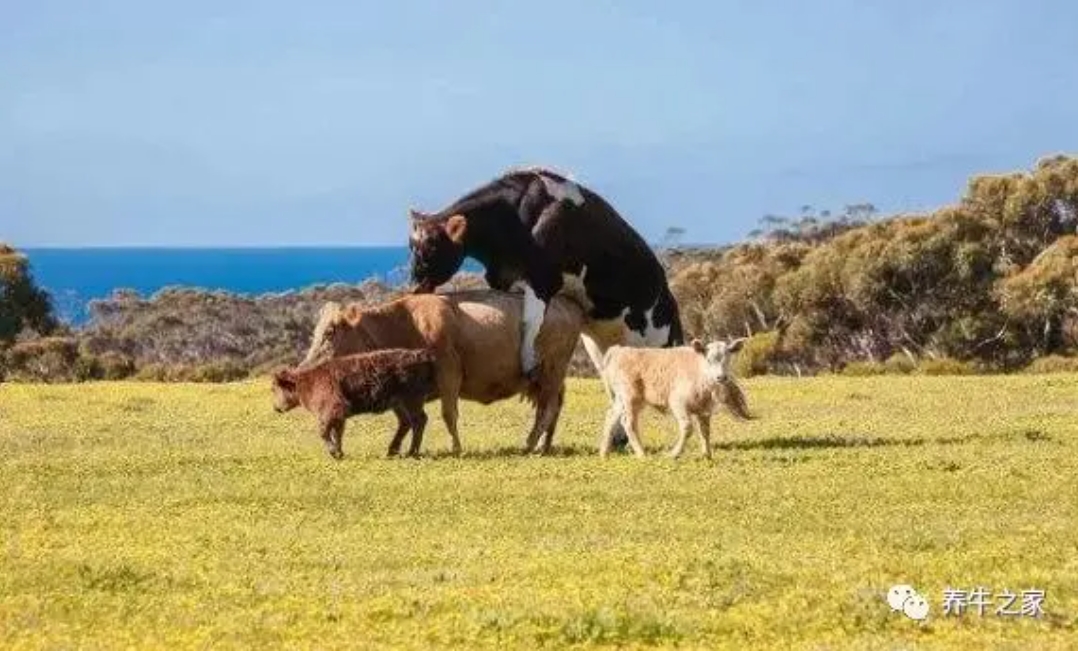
(75, 276)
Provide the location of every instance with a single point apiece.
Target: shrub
(1053, 364)
(47, 359)
(900, 364)
(87, 368)
(115, 366)
(223, 371)
(863, 368)
(947, 366)
(757, 355)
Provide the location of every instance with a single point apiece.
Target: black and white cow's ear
(455, 227)
(698, 346)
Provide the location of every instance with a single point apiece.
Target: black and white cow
(535, 227)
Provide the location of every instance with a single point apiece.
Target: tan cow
(476, 336)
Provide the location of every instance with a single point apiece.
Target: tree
(23, 305)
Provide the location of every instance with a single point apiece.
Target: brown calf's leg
(332, 431)
(418, 419)
(403, 424)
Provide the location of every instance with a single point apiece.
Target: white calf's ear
(735, 345)
(698, 346)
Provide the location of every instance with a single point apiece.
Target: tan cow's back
(478, 331)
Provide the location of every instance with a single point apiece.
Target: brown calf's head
(285, 397)
(717, 355)
(437, 249)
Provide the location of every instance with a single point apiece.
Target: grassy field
(192, 516)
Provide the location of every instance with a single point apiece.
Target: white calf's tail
(607, 356)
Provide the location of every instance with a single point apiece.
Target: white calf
(686, 381)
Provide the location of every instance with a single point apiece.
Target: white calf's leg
(534, 310)
(630, 418)
(684, 427)
(613, 418)
(703, 421)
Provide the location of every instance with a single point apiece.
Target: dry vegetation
(987, 284)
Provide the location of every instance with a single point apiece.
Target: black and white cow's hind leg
(542, 280)
(534, 314)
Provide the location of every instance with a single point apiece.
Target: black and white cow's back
(544, 230)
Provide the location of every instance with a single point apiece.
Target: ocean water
(75, 276)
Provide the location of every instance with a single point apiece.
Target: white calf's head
(717, 356)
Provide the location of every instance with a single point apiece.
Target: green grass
(191, 516)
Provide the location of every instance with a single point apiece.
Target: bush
(757, 355)
(48, 359)
(223, 371)
(87, 368)
(947, 366)
(115, 366)
(862, 369)
(214, 372)
(900, 364)
(1053, 364)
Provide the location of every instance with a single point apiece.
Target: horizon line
(275, 247)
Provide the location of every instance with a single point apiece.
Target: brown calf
(365, 383)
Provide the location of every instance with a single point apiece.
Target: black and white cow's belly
(618, 321)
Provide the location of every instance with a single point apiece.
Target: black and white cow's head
(437, 248)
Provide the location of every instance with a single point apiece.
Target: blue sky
(125, 122)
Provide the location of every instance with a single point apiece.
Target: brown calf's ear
(735, 345)
(415, 215)
(698, 346)
(455, 228)
(284, 379)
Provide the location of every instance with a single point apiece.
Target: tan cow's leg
(546, 418)
(449, 379)
(548, 436)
